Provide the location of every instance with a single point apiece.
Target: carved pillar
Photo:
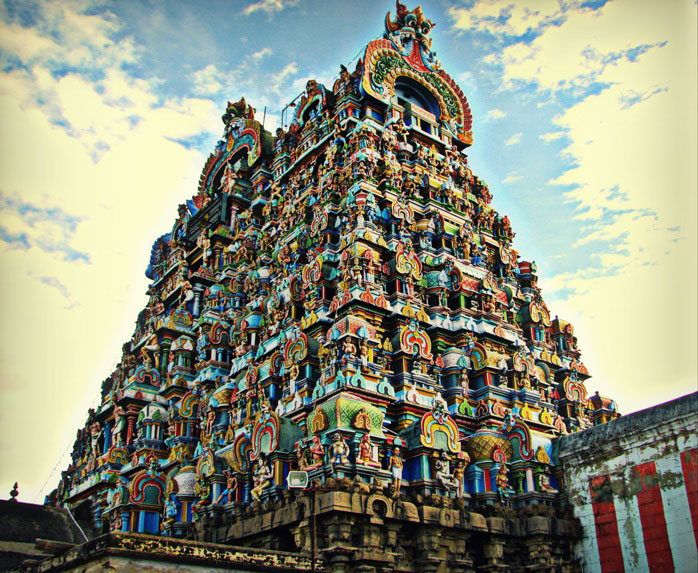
(131, 416)
(428, 545)
(338, 559)
(493, 549)
(459, 555)
(165, 354)
(106, 431)
(196, 310)
(338, 553)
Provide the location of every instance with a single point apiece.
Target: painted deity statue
(502, 481)
(151, 350)
(170, 510)
(339, 450)
(459, 473)
(95, 433)
(204, 243)
(262, 479)
(231, 488)
(300, 456)
(117, 432)
(228, 180)
(365, 456)
(317, 451)
(443, 473)
(395, 466)
(544, 484)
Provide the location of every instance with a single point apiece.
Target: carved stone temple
(343, 357)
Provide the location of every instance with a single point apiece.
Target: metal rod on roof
(76, 523)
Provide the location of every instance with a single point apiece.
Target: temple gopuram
(343, 355)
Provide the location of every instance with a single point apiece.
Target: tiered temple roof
(339, 299)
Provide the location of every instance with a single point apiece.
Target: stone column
(196, 309)
(131, 416)
(428, 545)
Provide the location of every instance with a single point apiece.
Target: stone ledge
(151, 548)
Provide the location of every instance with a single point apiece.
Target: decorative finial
(408, 22)
(14, 493)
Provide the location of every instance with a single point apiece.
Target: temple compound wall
(633, 484)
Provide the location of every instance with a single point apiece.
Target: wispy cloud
(622, 76)
(616, 90)
(512, 177)
(263, 53)
(54, 283)
(33, 214)
(558, 56)
(50, 229)
(495, 114)
(77, 66)
(552, 136)
(268, 6)
(211, 80)
(505, 17)
(66, 48)
(207, 81)
(14, 240)
(514, 139)
(467, 81)
(260, 83)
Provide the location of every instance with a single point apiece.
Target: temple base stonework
(368, 531)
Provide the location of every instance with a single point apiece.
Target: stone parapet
(137, 552)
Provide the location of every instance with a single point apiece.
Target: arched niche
(409, 92)
(384, 67)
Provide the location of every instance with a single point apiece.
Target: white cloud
(89, 165)
(263, 53)
(588, 45)
(552, 136)
(629, 69)
(467, 81)
(495, 114)
(512, 177)
(279, 79)
(206, 81)
(53, 282)
(261, 85)
(514, 139)
(268, 6)
(507, 17)
(633, 147)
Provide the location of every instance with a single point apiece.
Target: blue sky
(584, 125)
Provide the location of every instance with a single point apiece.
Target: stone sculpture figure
(262, 479)
(544, 484)
(339, 450)
(365, 456)
(443, 472)
(395, 466)
(317, 451)
(231, 487)
(502, 481)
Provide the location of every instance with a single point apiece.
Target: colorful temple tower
(341, 301)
